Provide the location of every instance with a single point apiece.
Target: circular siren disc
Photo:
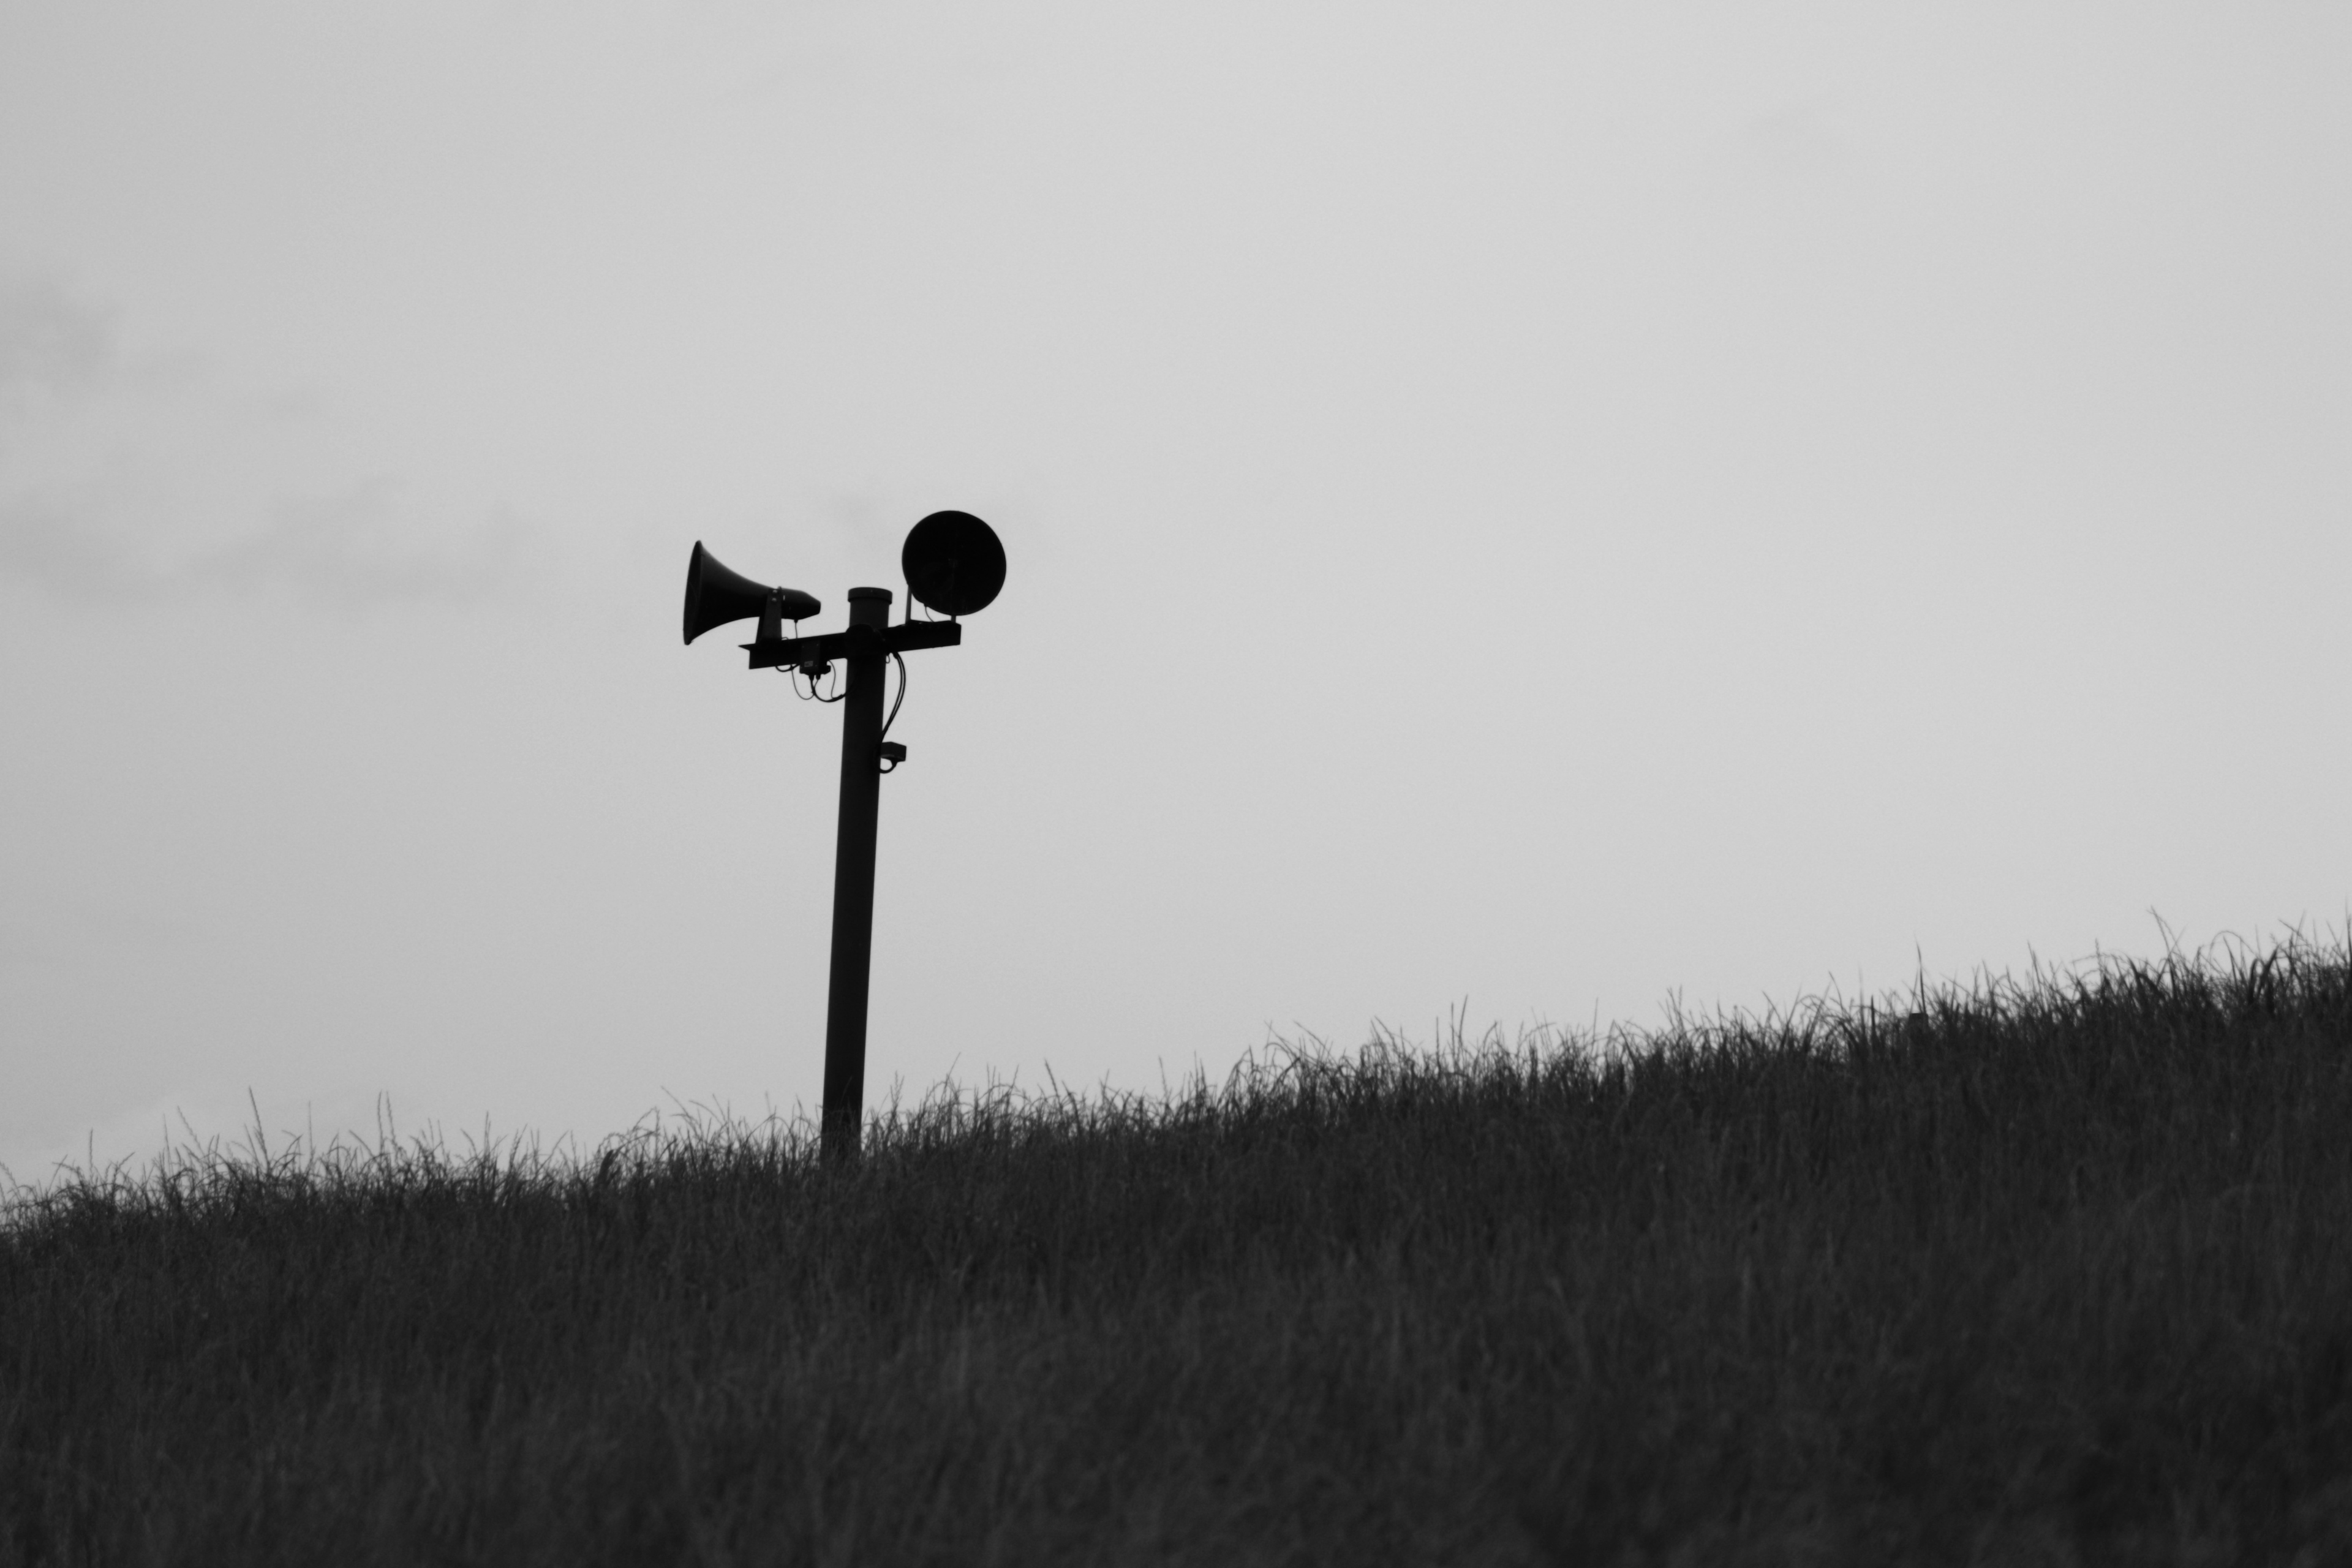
(953, 563)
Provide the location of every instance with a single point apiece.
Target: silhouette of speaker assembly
(954, 566)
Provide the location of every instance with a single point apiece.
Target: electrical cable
(811, 694)
(900, 660)
(792, 672)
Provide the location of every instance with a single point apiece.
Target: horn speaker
(716, 595)
(953, 563)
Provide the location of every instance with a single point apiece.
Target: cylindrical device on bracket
(853, 882)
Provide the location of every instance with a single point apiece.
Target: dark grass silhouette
(2056, 1271)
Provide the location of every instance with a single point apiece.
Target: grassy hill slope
(2051, 1272)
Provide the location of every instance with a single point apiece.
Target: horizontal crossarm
(857, 641)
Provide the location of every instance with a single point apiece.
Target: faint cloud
(126, 474)
(350, 550)
(1797, 138)
(49, 343)
(52, 932)
(1800, 161)
(40, 541)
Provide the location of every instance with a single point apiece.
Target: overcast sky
(1556, 505)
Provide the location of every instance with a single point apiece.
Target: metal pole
(853, 882)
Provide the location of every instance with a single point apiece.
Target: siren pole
(954, 565)
(853, 882)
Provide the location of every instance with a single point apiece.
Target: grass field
(2055, 1271)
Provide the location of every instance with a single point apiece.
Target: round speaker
(953, 563)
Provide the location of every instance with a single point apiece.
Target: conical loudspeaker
(716, 595)
(953, 563)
